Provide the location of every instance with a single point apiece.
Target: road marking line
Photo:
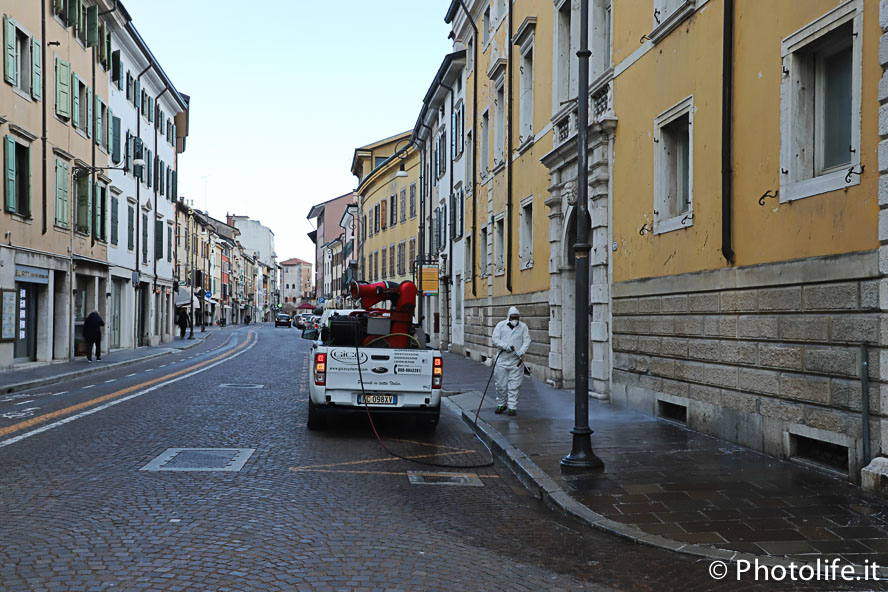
(373, 460)
(57, 394)
(133, 374)
(23, 402)
(112, 380)
(117, 396)
(90, 386)
(395, 473)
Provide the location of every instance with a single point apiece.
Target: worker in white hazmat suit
(511, 338)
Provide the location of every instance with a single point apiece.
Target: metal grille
(463, 479)
(200, 459)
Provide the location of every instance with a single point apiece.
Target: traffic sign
(208, 294)
(321, 300)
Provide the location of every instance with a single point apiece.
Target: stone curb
(38, 382)
(544, 488)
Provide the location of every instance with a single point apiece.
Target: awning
(182, 298)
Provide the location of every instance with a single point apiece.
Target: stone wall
(481, 316)
(756, 354)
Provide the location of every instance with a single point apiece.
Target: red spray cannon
(403, 299)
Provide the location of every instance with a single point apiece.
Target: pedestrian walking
(92, 334)
(182, 321)
(512, 339)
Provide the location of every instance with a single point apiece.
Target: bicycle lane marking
(116, 397)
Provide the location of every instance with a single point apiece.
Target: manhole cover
(464, 479)
(242, 386)
(200, 459)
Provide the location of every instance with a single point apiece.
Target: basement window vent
(672, 412)
(824, 455)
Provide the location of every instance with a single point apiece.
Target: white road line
(57, 394)
(56, 424)
(90, 386)
(133, 374)
(112, 380)
(23, 402)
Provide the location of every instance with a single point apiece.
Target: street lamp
(81, 170)
(581, 455)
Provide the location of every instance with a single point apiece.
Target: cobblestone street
(324, 510)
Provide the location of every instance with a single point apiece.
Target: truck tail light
(320, 369)
(437, 372)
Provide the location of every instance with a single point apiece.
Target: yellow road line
(433, 445)
(373, 460)
(74, 408)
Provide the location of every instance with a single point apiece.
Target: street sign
(208, 294)
(321, 300)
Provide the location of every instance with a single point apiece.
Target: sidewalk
(670, 487)
(37, 375)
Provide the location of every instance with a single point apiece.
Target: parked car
(298, 322)
(282, 318)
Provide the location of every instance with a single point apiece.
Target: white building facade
(141, 108)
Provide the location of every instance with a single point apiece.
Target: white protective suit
(507, 373)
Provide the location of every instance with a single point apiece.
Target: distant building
(296, 286)
(328, 213)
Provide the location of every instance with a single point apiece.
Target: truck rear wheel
(428, 423)
(317, 419)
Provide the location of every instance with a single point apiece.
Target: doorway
(25, 349)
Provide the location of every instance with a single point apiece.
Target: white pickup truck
(350, 379)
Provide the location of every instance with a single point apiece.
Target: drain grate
(463, 479)
(242, 386)
(200, 459)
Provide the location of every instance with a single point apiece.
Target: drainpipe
(45, 101)
(509, 188)
(727, 129)
(474, 140)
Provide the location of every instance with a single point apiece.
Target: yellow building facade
(388, 209)
(508, 111)
(745, 221)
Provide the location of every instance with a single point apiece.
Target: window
(364, 228)
(170, 246)
(563, 55)
(413, 200)
(458, 130)
(158, 241)
(392, 260)
(130, 227)
(483, 251)
(21, 64)
(668, 14)
(485, 145)
(376, 219)
(402, 258)
(499, 242)
(82, 108)
(469, 171)
(457, 298)
(470, 55)
(101, 212)
(145, 238)
(673, 165)
(382, 213)
(61, 201)
(60, 10)
(384, 259)
(525, 234)
(499, 128)
(115, 218)
(412, 255)
(394, 210)
(468, 265)
(17, 178)
(376, 265)
(457, 202)
(403, 205)
(820, 105)
(441, 153)
(84, 204)
(525, 125)
(485, 25)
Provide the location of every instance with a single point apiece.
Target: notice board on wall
(8, 316)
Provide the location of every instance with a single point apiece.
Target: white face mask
(513, 324)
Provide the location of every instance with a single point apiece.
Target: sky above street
(283, 91)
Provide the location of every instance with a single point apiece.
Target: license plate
(377, 399)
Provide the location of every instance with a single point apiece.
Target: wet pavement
(686, 487)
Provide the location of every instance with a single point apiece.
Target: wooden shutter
(115, 217)
(9, 177)
(89, 206)
(89, 112)
(150, 162)
(98, 121)
(130, 228)
(116, 68)
(9, 61)
(75, 100)
(175, 187)
(108, 52)
(115, 139)
(61, 208)
(158, 239)
(63, 88)
(136, 93)
(74, 13)
(382, 214)
(99, 193)
(129, 85)
(36, 69)
(92, 26)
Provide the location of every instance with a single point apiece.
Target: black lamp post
(581, 455)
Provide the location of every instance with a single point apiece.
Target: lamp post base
(581, 455)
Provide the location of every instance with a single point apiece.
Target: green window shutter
(115, 219)
(89, 206)
(74, 13)
(106, 133)
(169, 244)
(175, 188)
(9, 62)
(130, 228)
(75, 100)
(115, 69)
(129, 85)
(150, 110)
(61, 192)
(82, 222)
(9, 178)
(136, 91)
(115, 140)
(108, 52)
(158, 239)
(150, 162)
(89, 112)
(37, 69)
(126, 154)
(99, 211)
(160, 184)
(92, 26)
(98, 132)
(63, 88)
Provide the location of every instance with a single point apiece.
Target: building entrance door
(115, 314)
(26, 334)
